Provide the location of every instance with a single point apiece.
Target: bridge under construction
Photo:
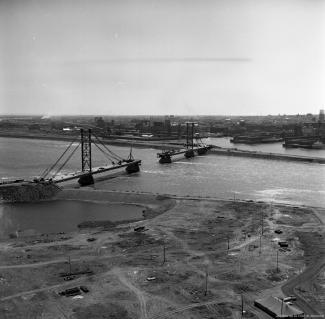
(46, 185)
(190, 149)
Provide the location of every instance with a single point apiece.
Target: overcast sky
(162, 57)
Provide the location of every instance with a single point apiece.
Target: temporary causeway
(275, 156)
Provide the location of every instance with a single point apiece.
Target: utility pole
(192, 135)
(206, 282)
(277, 260)
(242, 306)
(164, 253)
(69, 261)
(262, 222)
(187, 135)
(227, 244)
(260, 244)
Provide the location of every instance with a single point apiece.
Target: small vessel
(255, 139)
(302, 142)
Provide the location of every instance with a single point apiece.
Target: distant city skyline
(148, 57)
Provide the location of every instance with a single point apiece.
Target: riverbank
(160, 270)
(167, 144)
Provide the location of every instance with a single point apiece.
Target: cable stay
(117, 157)
(65, 162)
(49, 169)
(85, 177)
(109, 157)
(114, 155)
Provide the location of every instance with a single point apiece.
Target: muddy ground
(195, 258)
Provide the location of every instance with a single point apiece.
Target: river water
(210, 175)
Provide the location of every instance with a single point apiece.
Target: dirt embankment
(153, 204)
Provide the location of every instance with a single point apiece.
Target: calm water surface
(211, 175)
(59, 216)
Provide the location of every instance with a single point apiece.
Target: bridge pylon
(85, 150)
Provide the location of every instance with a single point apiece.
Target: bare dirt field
(190, 258)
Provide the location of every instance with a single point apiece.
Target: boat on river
(255, 139)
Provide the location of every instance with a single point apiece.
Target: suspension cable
(107, 155)
(66, 161)
(49, 169)
(117, 157)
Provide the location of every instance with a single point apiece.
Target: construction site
(188, 257)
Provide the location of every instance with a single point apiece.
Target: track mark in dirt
(140, 295)
(168, 315)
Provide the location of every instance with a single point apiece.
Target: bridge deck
(95, 171)
(177, 152)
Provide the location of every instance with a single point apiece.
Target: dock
(273, 156)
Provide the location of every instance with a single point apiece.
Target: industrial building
(278, 308)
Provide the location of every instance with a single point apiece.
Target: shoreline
(117, 142)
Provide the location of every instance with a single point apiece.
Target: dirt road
(308, 275)
(140, 295)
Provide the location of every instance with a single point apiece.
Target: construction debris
(75, 291)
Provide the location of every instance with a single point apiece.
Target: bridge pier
(133, 168)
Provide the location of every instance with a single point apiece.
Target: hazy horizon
(45, 116)
(80, 57)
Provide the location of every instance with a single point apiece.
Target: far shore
(113, 141)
